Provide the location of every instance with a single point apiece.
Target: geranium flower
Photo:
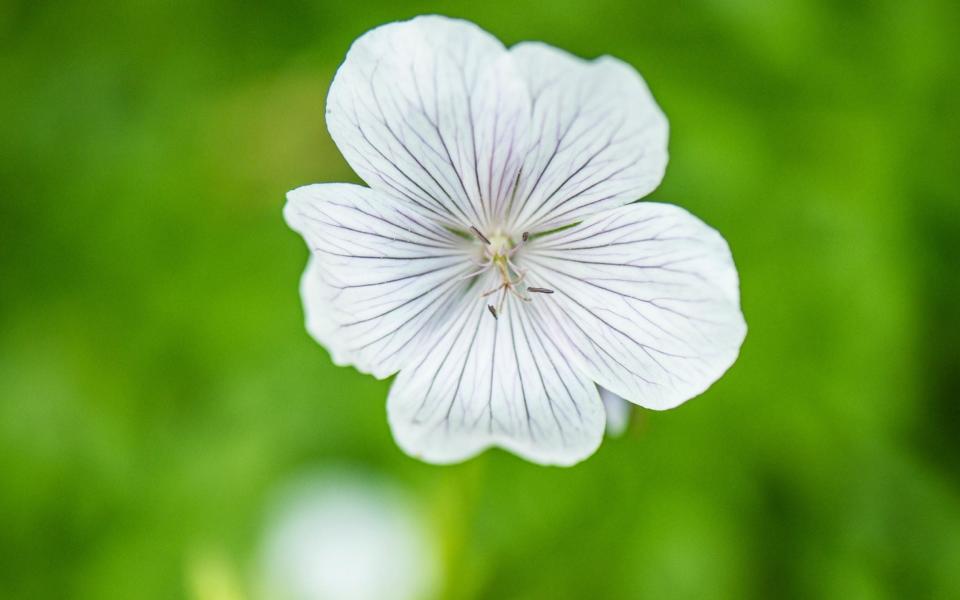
(498, 262)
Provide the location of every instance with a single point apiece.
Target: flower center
(498, 249)
(499, 245)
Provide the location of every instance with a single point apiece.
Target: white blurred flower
(497, 260)
(343, 537)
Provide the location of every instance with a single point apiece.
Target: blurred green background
(157, 384)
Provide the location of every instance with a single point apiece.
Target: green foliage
(156, 382)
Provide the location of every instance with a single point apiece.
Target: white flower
(342, 536)
(497, 261)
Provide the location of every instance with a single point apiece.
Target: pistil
(499, 249)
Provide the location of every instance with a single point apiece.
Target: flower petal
(435, 111)
(315, 294)
(600, 139)
(390, 273)
(648, 295)
(496, 382)
(617, 410)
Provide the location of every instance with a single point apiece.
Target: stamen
(477, 233)
(498, 255)
(474, 274)
(515, 267)
(523, 240)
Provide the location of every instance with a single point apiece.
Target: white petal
(617, 410)
(318, 314)
(496, 382)
(600, 140)
(649, 297)
(435, 111)
(391, 274)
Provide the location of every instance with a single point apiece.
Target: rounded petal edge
(601, 138)
(648, 296)
(434, 111)
(496, 383)
(318, 318)
(384, 272)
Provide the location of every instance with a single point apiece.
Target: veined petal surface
(391, 275)
(315, 294)
(435, 111)
(503, 382)
(599, 140)
(648, 297)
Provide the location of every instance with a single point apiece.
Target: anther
(493, 311)
(540, 290)
(523, 240)
(477, 233)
